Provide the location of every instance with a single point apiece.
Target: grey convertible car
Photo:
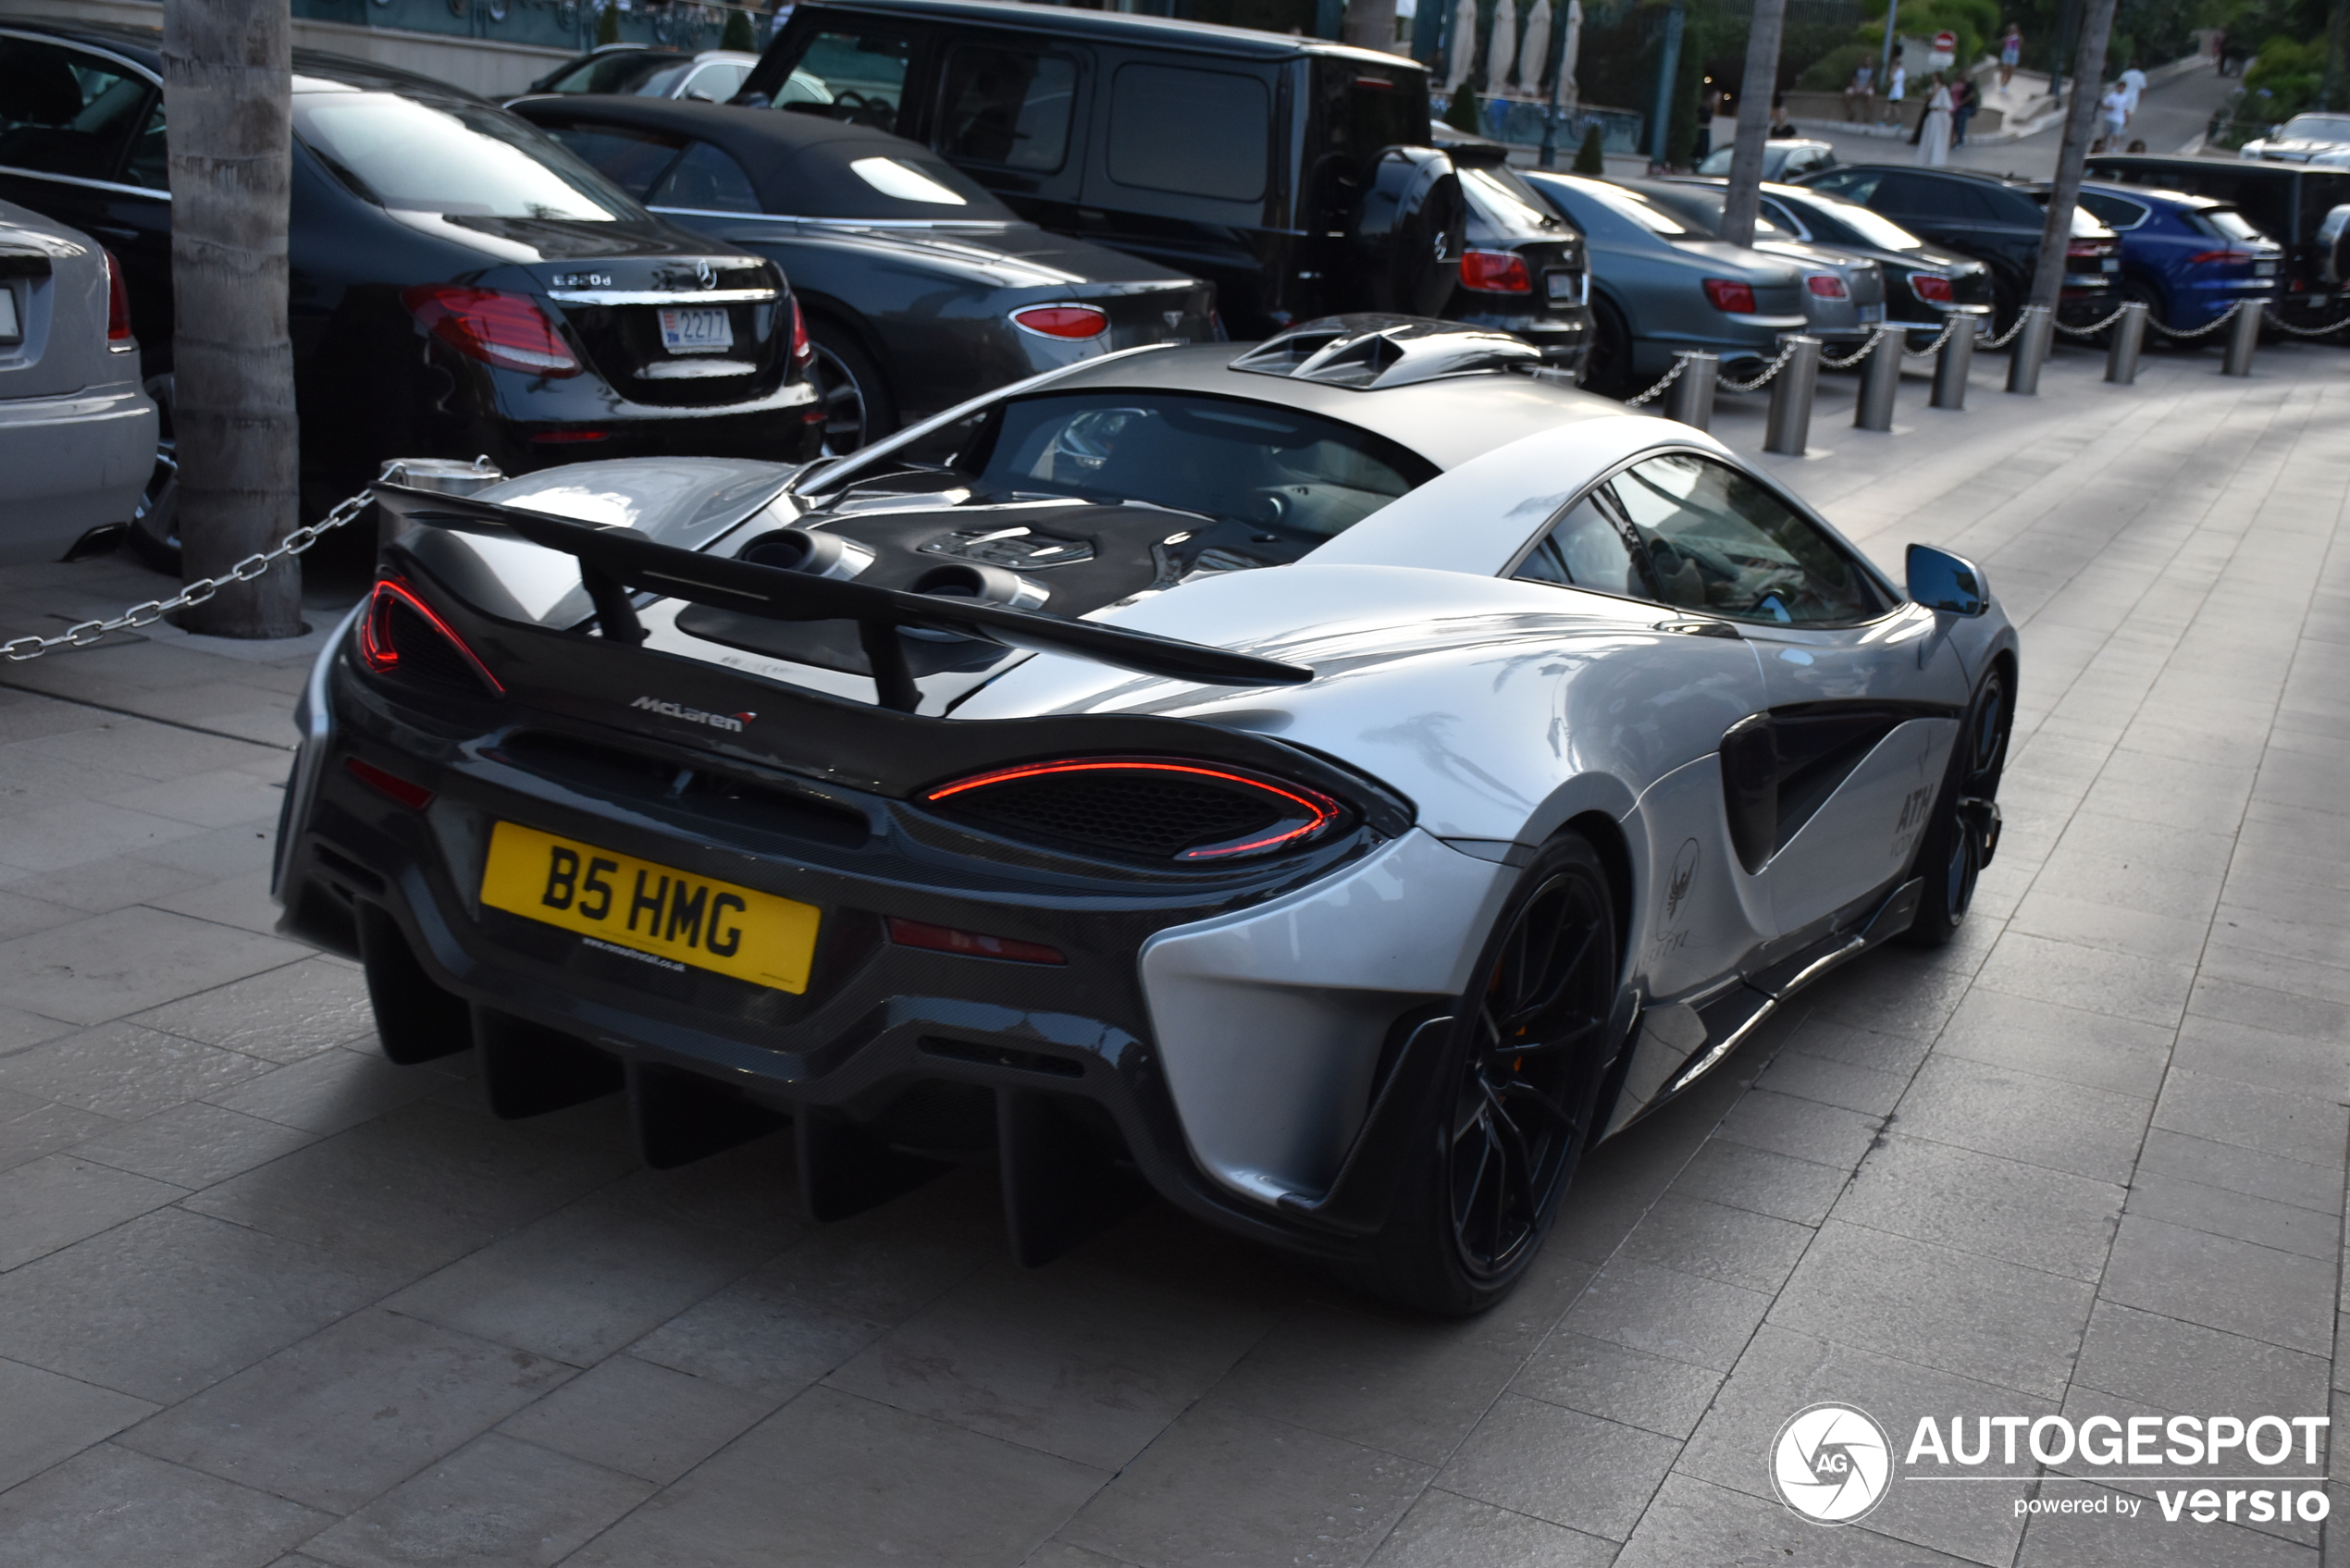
(77, 434)
(1333, 781)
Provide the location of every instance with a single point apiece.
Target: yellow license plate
(645, 910)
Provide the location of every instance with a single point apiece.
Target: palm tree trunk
(227, 68)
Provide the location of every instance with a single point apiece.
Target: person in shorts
(2010, 55)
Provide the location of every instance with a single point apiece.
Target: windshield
(1863, 224)
(2318, 127)
(458, 161)
(1274, 467)
(1700, 206)
(1503, 201)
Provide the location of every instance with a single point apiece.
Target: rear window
(1858, 223)
(631, 158)
(460, 161)
(706, 179)
(2114, 212)
(651, 74)
(1009, 107)
(855, 75)
(1190, 133)
(2224, 223)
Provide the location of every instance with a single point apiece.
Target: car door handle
(1699, 628)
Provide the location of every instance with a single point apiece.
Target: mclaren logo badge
(732, 723)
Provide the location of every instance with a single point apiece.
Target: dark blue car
(2187, 257)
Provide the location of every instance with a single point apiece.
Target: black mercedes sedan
(461, 285)
(921, 289)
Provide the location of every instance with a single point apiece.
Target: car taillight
(1062, 321)
(970, 944)
(118, 335)
(416, 796)
(401, 635)
(1827, 285)
(1933, 287)
(2087, 247)
(2201, 257)
(803, 353)
(500, 328)
(1729, 294)
(1495, 272)
(1157, 809)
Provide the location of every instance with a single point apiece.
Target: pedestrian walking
(1933, 130)
(1965, 99)
(1781, 123)
(1860, 94)
(2113, 113)
(2133, 81)
(1897, 87)
(2010, 55)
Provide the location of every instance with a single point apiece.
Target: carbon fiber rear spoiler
(615, 562)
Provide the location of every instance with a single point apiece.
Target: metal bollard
(1880, 379)
(1691, 399)
(2030, 351)
(2244, 335)
(1789, 430)
(1955, 364)
(2121, 349)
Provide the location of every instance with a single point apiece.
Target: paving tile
(1804, 1129)
(1653, 1393)
(1879, 1050)
(1712, 1240)
(639, 1419)
(2229, 958)
(2218, 1212)
(2251, 1055)
(2119, 984)
(1869, 1091)
(1666, 1313)
(1446, 1530)
(2257, 1291)
(212, 800)
(104, 885)
(1694, 1521)
(2115, 928)
(585, 1280)
(1979, 1203)
(1562, 1465)
(1073, 1360)
(873, 1485)
(128, 961)
(2170, 1365)
(1783, 1373)
(2279, 1011)
(107, 1505)
(59, 1200)
(1061, 1554)
(125, 1071)
(1957, 1312)
(2296, 1126)
(1744, 1176)
(2016, 1115)
(282, 1016)
(332, 1091)
(2049, 1040)
(496, 1504)
(411, 1192)
(2236, 1169)
(53, 1418)
(351, 1411)
(56, 838)
(191, 1145)
(31, 1129)
(2146, 1541)
(1227, 1486)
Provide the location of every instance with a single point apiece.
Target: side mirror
(1942, 581)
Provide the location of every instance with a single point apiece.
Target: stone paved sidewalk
(264, 1299)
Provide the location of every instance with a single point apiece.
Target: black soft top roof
(799, 163)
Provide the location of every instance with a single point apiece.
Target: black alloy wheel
(154, 520)
(1516, 1100)
(1963, 832)
(858, 407)
(1607, 367)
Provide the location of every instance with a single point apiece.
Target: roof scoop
(1367, 353)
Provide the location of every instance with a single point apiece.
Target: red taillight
(1162, 808)
(2200, 258)
(2087, 249)
(1827, 285)
(1062, 321)
(403, 634)
(568, 437)
(1729, 294)
(1933, 287)
(1495, 272)
(416, 796)
(970, 944)
(506, 330)
(803, 353)
(118, 308)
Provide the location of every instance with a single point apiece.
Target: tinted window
(1191, 132)
(1712, 540)
(1009, 107)
(1939, 201)
(1845, 223)
(864, 73)
(631, 158)
(1502, 205)
(1307, 476)
(652, 73)
(1804, 159)
(461, 161)
(2224, 223)
(1364, 109)
(707, 180)
(2114, 212)
(150, 161)
(65, 112)
(1852, 184)
(1588, 549)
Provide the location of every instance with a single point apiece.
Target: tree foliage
(1591, 157)
(738, 34)
(608, 25)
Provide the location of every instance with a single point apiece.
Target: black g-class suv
(1295, 175)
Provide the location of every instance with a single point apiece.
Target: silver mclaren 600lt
(1331, 782)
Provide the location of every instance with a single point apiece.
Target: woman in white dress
(1933, 133)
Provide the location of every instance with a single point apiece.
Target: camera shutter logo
(1831, 1463)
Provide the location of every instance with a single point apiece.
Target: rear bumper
(70, 465)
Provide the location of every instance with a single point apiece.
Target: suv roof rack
(1369, 353)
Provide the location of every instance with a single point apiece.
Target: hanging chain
(1786, 354)
(2283, 326)
(1680, 363)
(2004, 338)
(197, 592)
(1949, 326)
(2091, 331)
(1876, 335)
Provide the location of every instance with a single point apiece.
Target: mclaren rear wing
(617, 561)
